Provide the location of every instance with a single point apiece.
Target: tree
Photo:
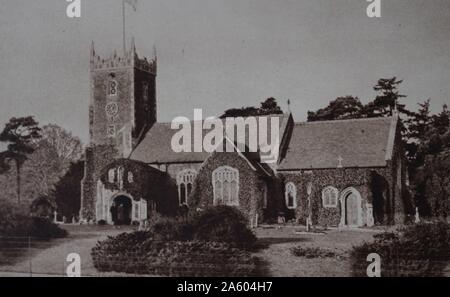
(350, 107)
(417, 126)
(68, 148)
(431, 168)
(388, 100)
(441, 121)
(436, 137)
(268, 107)
(432, 186)
(347, 107)
(67, 191)
(42, 171)
(21, 135)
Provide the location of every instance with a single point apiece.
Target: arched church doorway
(121, 210)
(351, 212)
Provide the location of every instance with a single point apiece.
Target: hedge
(15, 222)
(415, 251)
(132, 253)
(217, 224)
(209, 243)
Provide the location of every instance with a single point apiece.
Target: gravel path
(51, 259)
(275, 255)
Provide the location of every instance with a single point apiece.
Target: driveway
(49, 258)
(275, 255)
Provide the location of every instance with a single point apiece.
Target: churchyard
(274, 252)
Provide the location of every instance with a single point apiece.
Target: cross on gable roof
(357, 143)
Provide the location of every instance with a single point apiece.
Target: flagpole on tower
(124, 36)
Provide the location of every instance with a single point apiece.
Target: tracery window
(111, 175)
(226, 186)
(291, 195)
(330, 197)
(185, 180)
(130, 177)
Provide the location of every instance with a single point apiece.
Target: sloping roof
(358, 143)
(156, 147)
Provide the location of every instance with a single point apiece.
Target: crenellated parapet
(146, 65)
(129, 59)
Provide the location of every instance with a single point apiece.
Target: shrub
(45, 229)
(223, 224)
(418, 251)
(122, 242)
(14, 222)
(203, 244)
(12, 218)
(216, 224)
(311, 253)
(171, 229)
(171, 258)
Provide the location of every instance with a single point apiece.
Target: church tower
(123, 99)
(121, 111)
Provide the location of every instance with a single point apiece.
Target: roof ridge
(345, 120)
(223, 119)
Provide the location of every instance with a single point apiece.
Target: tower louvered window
(113, 88)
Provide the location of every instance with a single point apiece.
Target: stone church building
(345, 173)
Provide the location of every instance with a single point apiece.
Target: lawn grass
(276, 245)
(274, 253)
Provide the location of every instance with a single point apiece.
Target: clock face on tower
(112, 109)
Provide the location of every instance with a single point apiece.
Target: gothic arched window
(145, 91)
(330, 197)
(291, 195)
(111, 175)
(185, 180)
(130, 177)
(226, 186)
(264, 193)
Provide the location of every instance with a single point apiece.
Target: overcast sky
(218, 54)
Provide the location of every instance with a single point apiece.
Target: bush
(311, 253)
(171, 258)
(223, 224)
(203, 244)
(14, 222)
(216, 224)
(418, 251)
(12, 218)
(171, 229)
(45, 229)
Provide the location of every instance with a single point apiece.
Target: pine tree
(21, 135)
(387, 100)
(417, 126)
